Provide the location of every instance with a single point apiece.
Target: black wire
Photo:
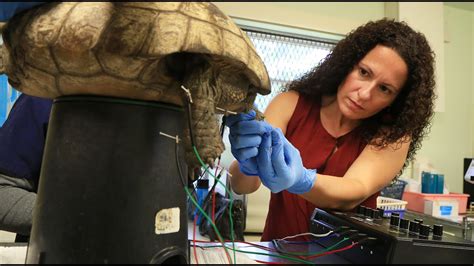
(212, 189)
(181, 177)
(190, 124)
(199, 178)
(219, 176)
(205, 170)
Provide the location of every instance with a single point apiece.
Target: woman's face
(373, 83)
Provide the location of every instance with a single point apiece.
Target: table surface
(207, 252)
(15, 253)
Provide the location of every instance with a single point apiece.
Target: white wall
(451, 137)
(332, 17)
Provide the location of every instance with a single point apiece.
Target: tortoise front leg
(204, 122)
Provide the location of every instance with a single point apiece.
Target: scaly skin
(212, 87)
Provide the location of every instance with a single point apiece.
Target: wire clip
(226, 111)
(171, 137)
(188, 93)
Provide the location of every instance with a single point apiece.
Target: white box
(444, 208)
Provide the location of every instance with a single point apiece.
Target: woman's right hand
(245, 137)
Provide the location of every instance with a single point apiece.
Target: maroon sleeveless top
(289, 214)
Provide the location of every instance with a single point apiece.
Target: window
(8, 96)
(286, 58)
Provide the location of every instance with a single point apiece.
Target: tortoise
(138, 50)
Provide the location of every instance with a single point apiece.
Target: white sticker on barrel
(167, 221)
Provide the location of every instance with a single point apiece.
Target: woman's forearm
(336, 193)
(241, 183)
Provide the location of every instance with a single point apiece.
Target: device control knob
(381, 212)
(437, 230)
(414, 227)
(404, 224)
(369, 212)
(424, 230)
(420, 221)
(394, 220)
(361, 210)
(376, 214)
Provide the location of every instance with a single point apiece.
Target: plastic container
(416, 201)
(395, 190)
(390, 205)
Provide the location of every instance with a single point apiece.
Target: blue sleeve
(9, 9)
(22, 137)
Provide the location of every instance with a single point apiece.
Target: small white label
(167, 221)
(469, 176)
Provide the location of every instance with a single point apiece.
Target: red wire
(205, 241)
(270, 262)
(248, 243)
(213, 206)
(194, 239)
(332, 251)
(259, 246)
(214, 194)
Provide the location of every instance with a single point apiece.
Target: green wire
(233, 243)
(260, 253)
(206, 216)
(230, 196)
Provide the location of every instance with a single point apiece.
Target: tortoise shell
(138, 50)
(117, 49)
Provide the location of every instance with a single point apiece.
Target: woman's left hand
(280, 166)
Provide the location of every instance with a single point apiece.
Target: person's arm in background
(17, 196)
(22, 139)
(9, 9)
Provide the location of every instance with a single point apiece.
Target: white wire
(308, 233)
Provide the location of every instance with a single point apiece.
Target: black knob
(361, 236)
(394, 221)
(420, 221)
(381, 212)
(437, 230)
(369, 213)
(395, 214)
(424, 230)
(414, 227)
(341, 228)
(376, 214)
(404, 224)
(351, 232)
(361, 210)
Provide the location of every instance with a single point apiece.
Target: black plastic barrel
(110, 190)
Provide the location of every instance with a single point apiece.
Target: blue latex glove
(280, 166)
(245, 136)
(9, 9)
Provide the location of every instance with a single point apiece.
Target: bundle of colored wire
(193, 143)
(265, 254)
(230, 196)
(196, 204)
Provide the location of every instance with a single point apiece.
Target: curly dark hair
(411, 112)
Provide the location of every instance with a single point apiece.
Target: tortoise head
(217, 86)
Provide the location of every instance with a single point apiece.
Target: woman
(355, 119)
